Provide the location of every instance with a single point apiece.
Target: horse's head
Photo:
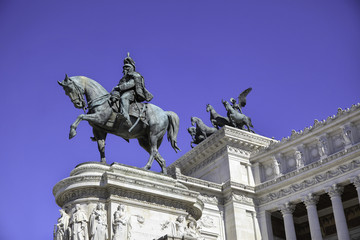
(74, 91)
(192, 131)
(193, 120)
(226, 104)
(208, 107)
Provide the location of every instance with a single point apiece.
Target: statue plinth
(222, 156)
(150, 202)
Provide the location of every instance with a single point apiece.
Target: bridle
(79, 92)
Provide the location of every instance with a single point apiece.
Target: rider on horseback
(131, 88)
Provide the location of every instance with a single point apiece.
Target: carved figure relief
(120, 224)
(179, 227)
(348, 135)
(78, 224)
(192, 230)
(299, 157)
(206, 222)
(62, 231)
(323, 146)
(277, 169)
(98, 223)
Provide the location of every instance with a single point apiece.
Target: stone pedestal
(152, 205)
(220, 169)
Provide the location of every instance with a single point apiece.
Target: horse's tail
(173, 129)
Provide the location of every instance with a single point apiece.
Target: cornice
(316, 128)
(87, 182)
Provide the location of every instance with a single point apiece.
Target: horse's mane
(80, 80)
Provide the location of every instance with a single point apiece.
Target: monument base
(133, 203)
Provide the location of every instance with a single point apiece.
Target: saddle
(136, 109)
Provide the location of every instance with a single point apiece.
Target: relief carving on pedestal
(206, 222)
(121, 224)
(62, 230)
(78, 225)
(98, 223)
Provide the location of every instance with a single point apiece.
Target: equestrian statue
(123, 113)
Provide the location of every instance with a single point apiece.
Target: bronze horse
(149, 135)
(216, 119)
(236, 118)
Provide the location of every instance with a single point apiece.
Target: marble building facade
(233, 185)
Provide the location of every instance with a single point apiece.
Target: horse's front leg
(74, 126)
(98, 118)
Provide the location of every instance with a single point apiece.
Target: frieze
(238, 152)
(208, 199)
(79, 193)
(147, 198)
(171, 189)
(195, 209)
(309, 182)
(239, 198)
(229, 184)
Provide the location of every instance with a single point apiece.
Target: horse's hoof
(146, 168)
(164, 171)
(103, 160)
(72, 133)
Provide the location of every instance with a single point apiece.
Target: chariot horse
(148, 130)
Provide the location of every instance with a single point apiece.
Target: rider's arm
(127, 85)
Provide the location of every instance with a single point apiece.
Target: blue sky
(302, 59)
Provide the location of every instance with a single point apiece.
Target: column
(356, 182)
(335, 192)
(287, 211)
(264, 218)
(310, 202)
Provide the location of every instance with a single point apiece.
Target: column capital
(310, 199)
(335, 190)
(356, 181)
(287, 208)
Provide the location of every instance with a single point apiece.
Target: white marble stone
(226, 188)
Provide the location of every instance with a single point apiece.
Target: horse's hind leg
(144, 143)
(159, 158)
(99, 137)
